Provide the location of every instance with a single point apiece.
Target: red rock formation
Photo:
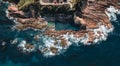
(93, 17)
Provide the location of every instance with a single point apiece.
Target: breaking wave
(111, 13)
(47, 44)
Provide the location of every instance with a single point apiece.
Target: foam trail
(15, 41)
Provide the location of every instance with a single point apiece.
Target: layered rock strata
(94, 20)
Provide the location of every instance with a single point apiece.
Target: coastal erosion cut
(94, 21)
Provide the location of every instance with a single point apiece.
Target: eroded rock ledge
(94, 20)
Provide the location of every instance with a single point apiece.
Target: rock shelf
(31, 23)
(94, 20)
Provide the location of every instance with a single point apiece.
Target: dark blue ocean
(106, 53)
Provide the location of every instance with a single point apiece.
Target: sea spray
(51, 46)
(26, 48)
(111, 13)
(45, 42)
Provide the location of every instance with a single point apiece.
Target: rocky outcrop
(93, 20)
(26, 47)
(38, 23)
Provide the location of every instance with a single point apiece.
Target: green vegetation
(46, 9)
(74, 2)
(23, 3)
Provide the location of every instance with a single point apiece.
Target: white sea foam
(15, 41)
(22, 44)
(71, 40)
(48, 42)
(3, 43)
(22, 47)
(111, 13)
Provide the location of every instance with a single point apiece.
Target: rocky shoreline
(94, 21)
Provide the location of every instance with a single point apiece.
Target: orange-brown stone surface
(93, 16)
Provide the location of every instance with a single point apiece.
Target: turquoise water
(66, 26)
(63, 25)
(105, 53)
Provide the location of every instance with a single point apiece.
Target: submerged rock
(3, 46)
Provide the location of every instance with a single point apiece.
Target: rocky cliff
(90, 15)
